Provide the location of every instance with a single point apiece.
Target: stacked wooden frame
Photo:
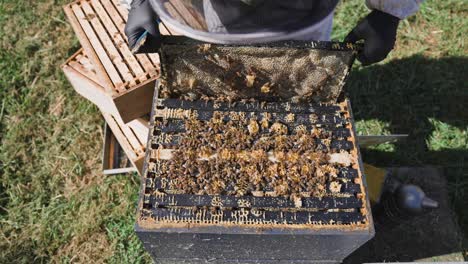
(105, 72)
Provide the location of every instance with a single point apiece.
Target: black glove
(378, 30)
(141, 19)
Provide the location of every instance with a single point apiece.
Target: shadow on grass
(412, 95)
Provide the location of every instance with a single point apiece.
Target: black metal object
(234, 245)
(400, 202)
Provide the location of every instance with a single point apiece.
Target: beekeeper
(260, 21)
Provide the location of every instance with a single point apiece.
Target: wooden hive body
(127, 79)
(132, 136)
(118, 82)
(238, 222)
(114, 159)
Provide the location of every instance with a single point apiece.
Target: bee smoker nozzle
(428, 203)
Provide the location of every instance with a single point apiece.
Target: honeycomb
(314, 71)
(252, 162)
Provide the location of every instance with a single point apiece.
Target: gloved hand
(141, 19)
(378, 30)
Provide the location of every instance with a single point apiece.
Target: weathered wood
(128, 106)
(126, 78)
(174, 12)
(108, 149)
(120, 131)
(107, 42)
(118, 38)
(120, 24)
(84, 80)
(88, 88)
(140, 127)
(97, 46)
(88, 44)
(188, 17)
(111, 160)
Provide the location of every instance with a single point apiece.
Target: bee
(265, 88)
(297, 200)
(241, 187)
(319, 190)
(204, 48)
(331, 170)
(253, 127)
(279, 128)
(243, 203)
(300, 129)
(281, 189)
(241, 116)
(290, 118)
(250, 79)
(316, 132)
(313, 118)
(326, 142)
(264, 123)
(233, 116)
(334, 187)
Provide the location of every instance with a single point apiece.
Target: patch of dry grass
(56, 204)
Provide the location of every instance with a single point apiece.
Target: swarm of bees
(235, 154)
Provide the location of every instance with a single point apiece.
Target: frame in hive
(190, 183)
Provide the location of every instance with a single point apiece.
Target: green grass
(55, 204)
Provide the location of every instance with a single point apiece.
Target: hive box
(132, 136)
(133, 147)
(126, 81)
(256, 227)
(105, 72)
(244, 174)
(114, 160)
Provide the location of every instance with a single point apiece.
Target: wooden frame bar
(126, 138)
(110, 156)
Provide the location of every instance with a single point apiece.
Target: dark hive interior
(225, 160)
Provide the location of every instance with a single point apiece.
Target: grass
(56, 206)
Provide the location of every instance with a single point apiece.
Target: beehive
(126, 79)
(194, 189)
(251, 180)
